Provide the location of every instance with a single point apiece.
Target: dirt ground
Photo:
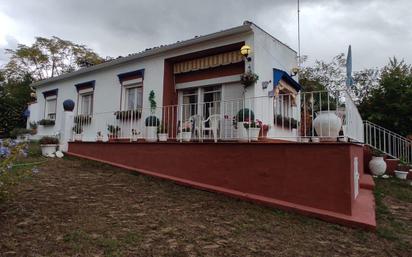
(73, 207)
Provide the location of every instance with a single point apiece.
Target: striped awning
(208, 62)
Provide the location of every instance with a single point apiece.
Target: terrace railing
(307, 116)
(388, 142)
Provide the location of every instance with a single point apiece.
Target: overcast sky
(376, 29)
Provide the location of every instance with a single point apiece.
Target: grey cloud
(376, 29)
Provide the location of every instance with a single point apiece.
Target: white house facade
(192, 79)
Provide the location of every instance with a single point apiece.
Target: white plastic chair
(196, 125)
(214, 123)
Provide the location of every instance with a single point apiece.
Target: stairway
(394, 146)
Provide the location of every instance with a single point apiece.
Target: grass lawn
(74, 207)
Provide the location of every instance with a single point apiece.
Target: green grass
(389, 227)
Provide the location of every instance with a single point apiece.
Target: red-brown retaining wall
(314, 175)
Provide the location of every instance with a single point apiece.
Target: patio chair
(196, 122)
(214, 124)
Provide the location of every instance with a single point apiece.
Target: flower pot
(315, 139)
(253, 133)
(377, 166)
(78, 137)
(242, 133)
(47, 150)
(186, 136)
(151, 133)
(327, 124)
(401, 174)
(162, 137)
(134, 138)
(99, 138)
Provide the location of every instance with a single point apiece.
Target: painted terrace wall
(320, 183)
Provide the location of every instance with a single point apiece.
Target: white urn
(377, 166)
(327, 124)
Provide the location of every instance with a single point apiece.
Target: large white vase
(48, 149)
(327, 124)
(151, 134)
(377, 166)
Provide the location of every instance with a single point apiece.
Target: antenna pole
(299, 61)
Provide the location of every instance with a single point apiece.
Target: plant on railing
(78, 129)
(113, 131)
(152, 121)
(83, 119)
(46, 122)
(99, 136)
(128, 115)
(286, 122)
(248, 79)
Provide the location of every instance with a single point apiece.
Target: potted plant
(33, 127)
(264, 128)
(402, 170)
(113, 132)
(162, 133)
(253, 130)
(377, 165)
(46, 122)
(128, 115)
(99, 136)
(135, 135)
(248, 78)
(186, 134)
(48, 145)
(152, 122)
(78, 132)
(243, 116)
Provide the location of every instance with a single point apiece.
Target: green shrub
(16, 132)
(48, 140)
(245, 115)
(46, 122)
(152, 121)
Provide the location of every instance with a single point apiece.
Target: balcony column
(67, 125)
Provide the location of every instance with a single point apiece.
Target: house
(202, 75)
(222, 128)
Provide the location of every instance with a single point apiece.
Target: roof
(280, 74)
(246, 27)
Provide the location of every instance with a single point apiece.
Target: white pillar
(66, 131)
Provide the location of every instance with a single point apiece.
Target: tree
(390, 104)
(14, 96)
(48, 57)
(332, 76)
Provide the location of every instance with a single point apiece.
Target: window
(86, 103)
(51, 104)
(133, 97)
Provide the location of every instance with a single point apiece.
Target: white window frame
(81, 102)
(128, 85)
(47, 114)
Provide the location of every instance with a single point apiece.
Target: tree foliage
(48, 57)
(390, 104)
(14, 96)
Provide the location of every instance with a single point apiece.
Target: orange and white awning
(208, 62)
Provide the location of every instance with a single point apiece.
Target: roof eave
(246, 27)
